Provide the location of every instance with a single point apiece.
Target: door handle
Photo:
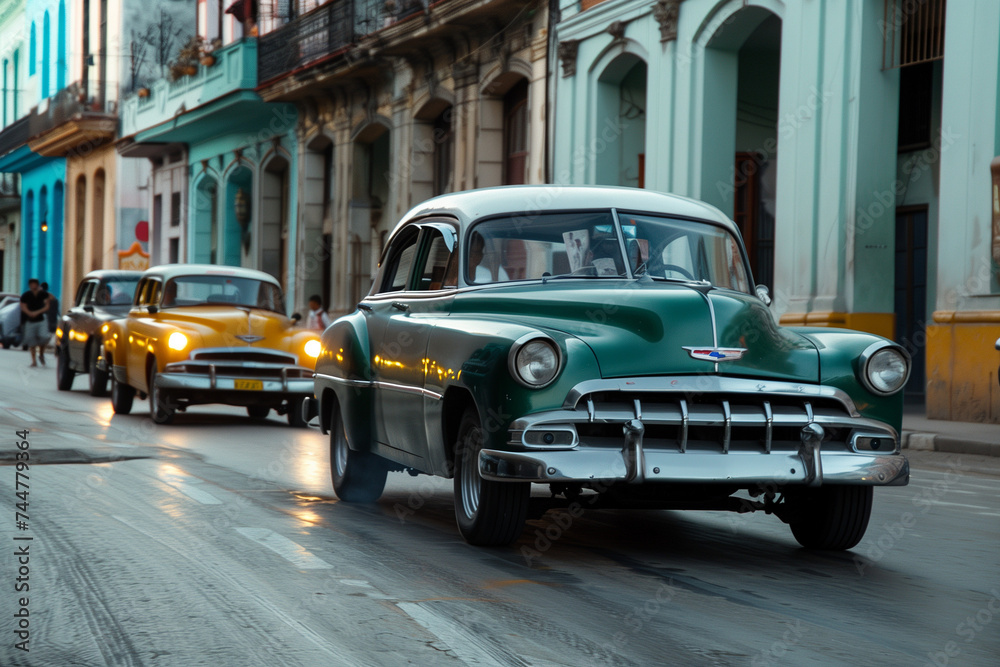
(399, 305)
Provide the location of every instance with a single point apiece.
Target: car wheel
(258, 411)
(122, 396)
(489, 513)
(831, 518)
(358, 477)
(98, 378)
(64, 376)
(295, 419)
(159, 402)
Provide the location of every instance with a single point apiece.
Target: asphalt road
(218, 541)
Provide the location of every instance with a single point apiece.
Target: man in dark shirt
(34, 305)
(52, 314)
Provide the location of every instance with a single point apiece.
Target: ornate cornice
(567, 56)
(667, 13)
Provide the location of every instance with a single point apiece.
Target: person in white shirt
(483, 273)
(317, 320)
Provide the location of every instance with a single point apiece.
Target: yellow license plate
(252, 385)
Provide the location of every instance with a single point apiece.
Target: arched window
(515, 114)
(32, 51)
(46, 55)
(61, 48)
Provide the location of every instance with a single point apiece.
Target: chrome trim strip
(348, 382)
(809, 412)
(684, 425)
(407, 389)
(769, 418)
(702, 384)
(211, 375)
(591, 411)
(727, 415)
(638, 409)
(284, 379)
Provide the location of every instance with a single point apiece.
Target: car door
(404, 372)
(140, 330)
(74, 324)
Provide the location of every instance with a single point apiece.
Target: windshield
(672, 249)
(229, 290)
(582, 244)
(115, 292)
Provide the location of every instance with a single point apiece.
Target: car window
(140, 292)
(85, 294)
(153, 292)
(115, 292)
(584, 244)
(439, 268)
(215, 289)
(684, 250)
(399, 260)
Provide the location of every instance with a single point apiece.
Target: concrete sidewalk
(940, 435)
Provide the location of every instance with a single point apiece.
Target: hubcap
(340, 450)
(470, 480)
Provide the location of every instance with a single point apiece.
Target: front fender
(480, 350)
(343, 369)
(839, 352)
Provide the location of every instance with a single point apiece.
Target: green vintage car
(609, 343)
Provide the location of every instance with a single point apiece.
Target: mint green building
(851, 140)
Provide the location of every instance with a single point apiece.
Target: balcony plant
(186, 62)
(207, 48)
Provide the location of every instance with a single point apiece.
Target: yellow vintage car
(209, 334)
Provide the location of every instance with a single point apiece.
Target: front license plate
(252, 385)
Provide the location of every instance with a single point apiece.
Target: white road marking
(988, 513)
(203, 497)
(336, 653)
(971, 507)
(21, 414)
(469, 647)
(284, 547)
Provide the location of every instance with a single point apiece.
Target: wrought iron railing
(71, 101)
(14, 135)
(325, 31)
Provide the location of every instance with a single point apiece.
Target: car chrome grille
(241, 355)
(726, 423)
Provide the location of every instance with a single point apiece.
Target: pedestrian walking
(318, 320)
(52, 314)
(34, 305)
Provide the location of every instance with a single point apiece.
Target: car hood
(219, 327)
(641, 328)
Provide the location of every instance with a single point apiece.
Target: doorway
(911, 293)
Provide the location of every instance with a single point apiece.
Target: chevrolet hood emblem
(248, 339)
(716, 353)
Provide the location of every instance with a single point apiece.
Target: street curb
(935, 442)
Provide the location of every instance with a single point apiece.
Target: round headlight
(313, 348)
(177, 341)
(885, 370)
(536, 362)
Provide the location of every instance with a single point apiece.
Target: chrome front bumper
(173, 382)
(702, 430)
(608, 466)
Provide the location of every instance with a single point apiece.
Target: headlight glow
(313, 348)
(59, 332)
(885, 369)
(535, 363)
(106, 328)
(177, 341)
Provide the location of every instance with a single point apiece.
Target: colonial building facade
(398, 102)
(851, 141)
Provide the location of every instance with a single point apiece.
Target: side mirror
(764, 294)
(997, 344)
(296, 317)
(153, 310)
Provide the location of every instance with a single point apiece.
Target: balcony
(70, 120)
(328, 31)
(14, 135)
(235, 69)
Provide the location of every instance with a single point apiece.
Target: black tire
(295, 419)
(258, 411)
(98, 378)
(488, 513)
(122, 396)
(358, 477)
(64, 375)
(159, 402)
(833, 518)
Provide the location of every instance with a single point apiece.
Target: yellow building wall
(962, 366)
(87, 163)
